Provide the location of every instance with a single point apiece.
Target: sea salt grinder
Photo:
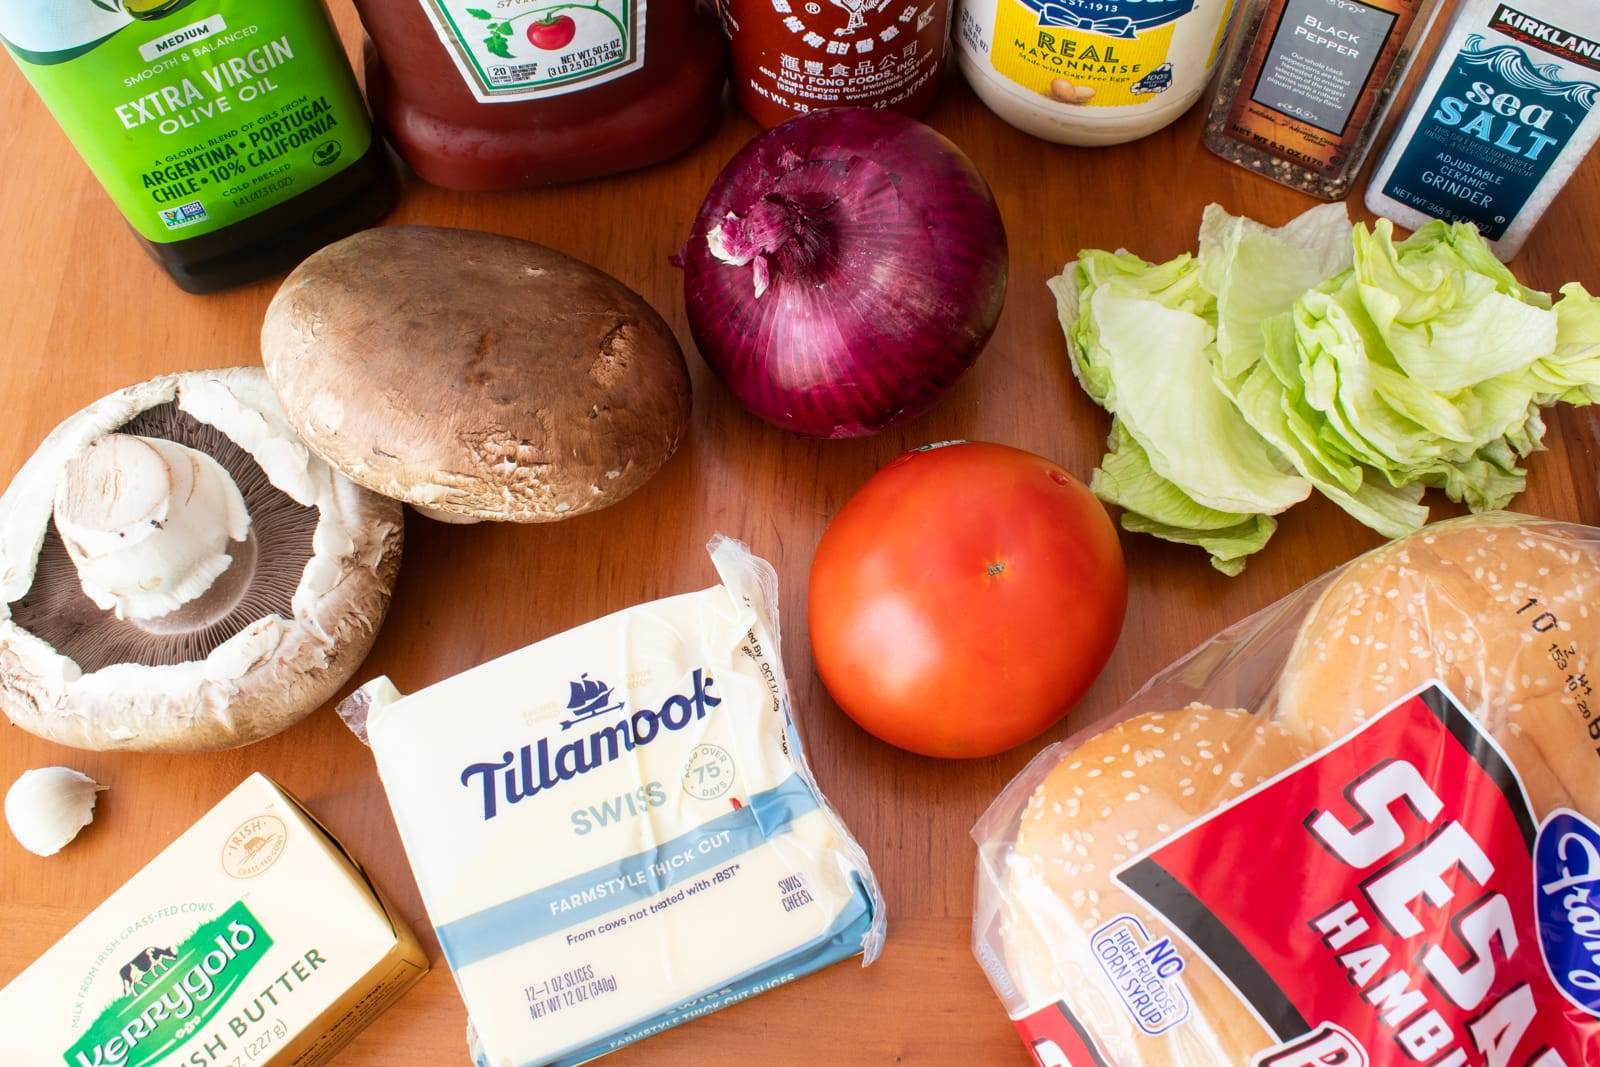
(1504, 117)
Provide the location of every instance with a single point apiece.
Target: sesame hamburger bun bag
(1357, 829)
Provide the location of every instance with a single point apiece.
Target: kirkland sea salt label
(1497, 123)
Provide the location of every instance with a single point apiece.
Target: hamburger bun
(1111, 798)
(1503, 609)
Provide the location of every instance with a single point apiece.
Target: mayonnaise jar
(614, 830)
(1090, 72)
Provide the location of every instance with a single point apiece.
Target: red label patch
(1057, 1039)
(1381, 894)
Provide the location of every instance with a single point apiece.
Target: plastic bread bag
(1354, 830)
(615, 830)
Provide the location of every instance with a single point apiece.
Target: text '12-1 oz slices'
(1385, 855)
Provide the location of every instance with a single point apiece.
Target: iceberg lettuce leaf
(1152, 505)
(1195, 438)
(1318, 354)
(1572, 372)
(1258, 273)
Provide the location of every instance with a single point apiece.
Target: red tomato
(965, 598)
(553, 33)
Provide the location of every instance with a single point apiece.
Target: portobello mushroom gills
(175, 541)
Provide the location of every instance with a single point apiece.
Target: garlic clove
(46, 807)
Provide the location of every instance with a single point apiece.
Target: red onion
(845, 269)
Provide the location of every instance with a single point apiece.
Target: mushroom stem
(149, 523)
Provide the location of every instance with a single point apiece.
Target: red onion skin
(885, 270)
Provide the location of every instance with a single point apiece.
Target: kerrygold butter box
(252, 939)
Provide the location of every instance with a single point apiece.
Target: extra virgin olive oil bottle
(231, 133)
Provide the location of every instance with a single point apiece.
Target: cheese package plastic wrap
(1355, 830)
(615, 830)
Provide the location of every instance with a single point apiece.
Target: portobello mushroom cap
(178, 572)
(475, 376)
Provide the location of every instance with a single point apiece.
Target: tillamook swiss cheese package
(615, 830)
(1355, 830)
(251, 939)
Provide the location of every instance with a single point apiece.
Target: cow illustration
(254, 845)
(143, 966)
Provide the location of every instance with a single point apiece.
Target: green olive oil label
(171, 994)
(509, 50)
(194, 114)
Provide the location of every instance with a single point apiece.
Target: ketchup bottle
(505, 94)
(794, 56)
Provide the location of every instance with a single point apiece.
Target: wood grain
(85, 313)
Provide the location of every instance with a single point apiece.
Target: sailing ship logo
(589, 698)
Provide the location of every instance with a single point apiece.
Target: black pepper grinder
(1307, 84)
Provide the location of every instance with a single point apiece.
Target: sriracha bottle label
(792, 58)
(1380, 904)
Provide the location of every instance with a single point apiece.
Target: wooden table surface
(84, 313)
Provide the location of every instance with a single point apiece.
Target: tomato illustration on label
(515, 50)
(553, 32)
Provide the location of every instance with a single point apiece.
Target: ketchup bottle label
(509, 50)
(794, 56)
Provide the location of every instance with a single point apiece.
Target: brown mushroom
(475, 376)
(178, 572)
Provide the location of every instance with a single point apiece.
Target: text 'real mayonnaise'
(615, 830)
(1090, 72)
